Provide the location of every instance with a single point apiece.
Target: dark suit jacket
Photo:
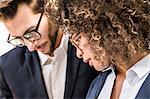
(21, 76)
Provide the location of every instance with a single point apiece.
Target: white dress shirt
(135, 77)
(4, 46)
(54, 70)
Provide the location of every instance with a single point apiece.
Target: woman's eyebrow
(74, 36)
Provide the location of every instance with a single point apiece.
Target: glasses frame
(27, 32)
(74, 43)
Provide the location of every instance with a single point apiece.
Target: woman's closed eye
(78, 39)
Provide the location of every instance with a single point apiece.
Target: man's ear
(53, 38)
(56, 39)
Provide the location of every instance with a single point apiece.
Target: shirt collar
(141, 68)
(44, 58)
(112, 68)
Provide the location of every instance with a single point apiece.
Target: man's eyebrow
(30, 29)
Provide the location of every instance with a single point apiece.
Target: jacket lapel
(72, 71)
(34, 67)
(97, 85)
(144, 92)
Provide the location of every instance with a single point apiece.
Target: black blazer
(21, 76)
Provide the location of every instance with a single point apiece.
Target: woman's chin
(90, 63)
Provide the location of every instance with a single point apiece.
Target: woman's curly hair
(53, 10)
(122, 27)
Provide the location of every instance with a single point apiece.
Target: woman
(113, 35)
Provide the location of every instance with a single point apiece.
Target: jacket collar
(72, 71)
(34, 67)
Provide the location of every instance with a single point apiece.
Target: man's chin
(31, 50)
(50, 53)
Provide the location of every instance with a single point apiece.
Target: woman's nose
(79, 53)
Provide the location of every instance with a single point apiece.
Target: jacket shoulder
(16, 54)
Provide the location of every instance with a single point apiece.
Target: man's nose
(35, 42)
(32, 46)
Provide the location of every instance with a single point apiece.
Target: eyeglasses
(74, 43)
(31, 35)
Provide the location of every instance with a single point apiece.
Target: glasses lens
(32, 36)
(74, 44)
(17, 42)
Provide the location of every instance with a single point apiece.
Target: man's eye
(28, 36)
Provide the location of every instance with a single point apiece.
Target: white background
(4, 46)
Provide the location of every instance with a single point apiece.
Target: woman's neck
(121, 69)
(123, 66)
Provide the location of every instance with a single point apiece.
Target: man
(47, 69)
